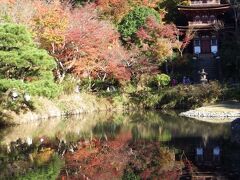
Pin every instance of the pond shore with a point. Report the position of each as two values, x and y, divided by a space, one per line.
218 113
63 106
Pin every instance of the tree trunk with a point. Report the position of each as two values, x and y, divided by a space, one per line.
236 27
166 67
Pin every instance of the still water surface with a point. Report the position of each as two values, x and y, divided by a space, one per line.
211 149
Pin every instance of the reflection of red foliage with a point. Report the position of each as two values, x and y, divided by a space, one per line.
100 159
103 159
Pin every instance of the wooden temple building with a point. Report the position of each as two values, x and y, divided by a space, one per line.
204 18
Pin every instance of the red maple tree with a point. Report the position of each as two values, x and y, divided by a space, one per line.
92 48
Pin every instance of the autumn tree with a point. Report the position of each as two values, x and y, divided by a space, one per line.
158 40
48 20
114 10
117 9
50 23
92 48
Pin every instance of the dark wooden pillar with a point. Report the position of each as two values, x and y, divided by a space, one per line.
196 75
219 67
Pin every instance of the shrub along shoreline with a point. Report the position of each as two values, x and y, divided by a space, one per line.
177 97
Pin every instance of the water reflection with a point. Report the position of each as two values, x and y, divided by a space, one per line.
67 129
207 148
144 125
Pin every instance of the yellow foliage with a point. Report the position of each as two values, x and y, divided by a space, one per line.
164 49
42 157
50 23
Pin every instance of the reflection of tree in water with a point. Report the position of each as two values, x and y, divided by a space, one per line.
231 160
178 126
149 133
108 129
67 128
154 125
148 126
150 160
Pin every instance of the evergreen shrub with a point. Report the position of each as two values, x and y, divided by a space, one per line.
135 19
23 66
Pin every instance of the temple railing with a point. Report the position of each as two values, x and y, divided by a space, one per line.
204 2
193 23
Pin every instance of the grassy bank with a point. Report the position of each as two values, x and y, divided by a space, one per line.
130 97
44 108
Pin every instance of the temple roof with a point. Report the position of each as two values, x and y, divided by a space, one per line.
204 7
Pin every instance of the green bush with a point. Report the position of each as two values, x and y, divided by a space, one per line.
19 58
135 19
23 66
129 88
146 99
231 93
162 80
179 97
46 88
192 96
185 2
14 36
98 85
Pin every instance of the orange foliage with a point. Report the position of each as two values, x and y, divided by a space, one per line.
148 3
7 1
50 23
117 9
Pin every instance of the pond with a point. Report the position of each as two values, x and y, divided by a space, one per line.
134 145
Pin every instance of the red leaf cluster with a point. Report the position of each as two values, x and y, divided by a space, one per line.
158 30
162 39
93 46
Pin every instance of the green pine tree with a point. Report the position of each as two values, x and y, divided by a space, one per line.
23 66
